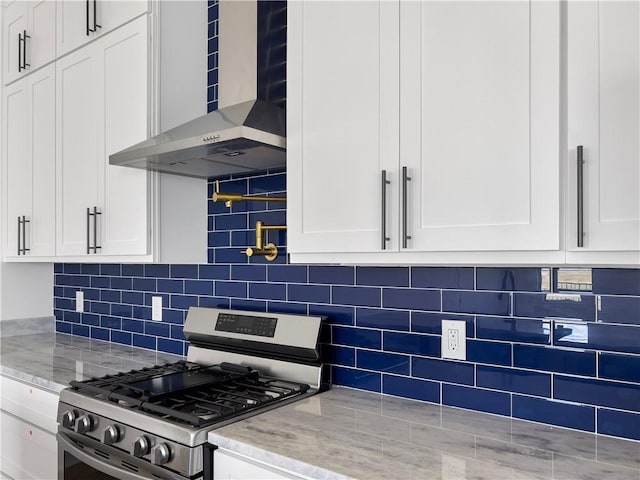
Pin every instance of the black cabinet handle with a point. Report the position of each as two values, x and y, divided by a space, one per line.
95 16
405 180
95 247
24 235
19 241
86 4
383 228
88 229
19 54
24 50
580 189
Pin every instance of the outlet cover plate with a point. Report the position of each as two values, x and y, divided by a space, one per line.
454 339
156 309
79 301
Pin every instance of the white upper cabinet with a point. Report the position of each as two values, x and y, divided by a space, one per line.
29 152
79 22
604 119
28 34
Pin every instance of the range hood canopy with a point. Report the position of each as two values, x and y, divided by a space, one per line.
244 135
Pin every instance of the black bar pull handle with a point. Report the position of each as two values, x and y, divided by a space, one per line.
580 189
19 52
88 29
24 50
19 230
24 235
383 228
405 180
96 247
88 230
95 16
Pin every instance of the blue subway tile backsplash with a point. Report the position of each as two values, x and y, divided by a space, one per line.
571 361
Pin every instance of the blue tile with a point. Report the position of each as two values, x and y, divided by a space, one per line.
619 367
509 279
442 370
255 273
268 291
100 307
63 327
218 239
229 255
110 296
598 336
287 307
358 296
243 238
231 289
171 346
184 271
211 255
511 380
275 217
177 332
101 282
81 280
521 330
620 310
417 344
356 337
144 341
214 272
383 276
144 284
80 330
58 268
73 317
64 303
233 221
134 298
356 379
62 279
252 305
411 299
132 325
72 268
142 313
214 302
616 281
309 293
121 337
569 415
91 294
112 269
99 333
335 315
537 306
494 353
198 287
476 399
334 275
598 392
619 424
431 322
267 184
184 301
121 310
170 286
344 356
487 303
157 329
121 283
110 322
287 273
156 270
173 316
133 269
442 277
90 269
382 318
90 319
383 362
555 360
411 388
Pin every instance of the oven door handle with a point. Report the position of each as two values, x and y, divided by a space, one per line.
94 462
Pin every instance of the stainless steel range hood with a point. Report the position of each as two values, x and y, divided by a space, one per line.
242 136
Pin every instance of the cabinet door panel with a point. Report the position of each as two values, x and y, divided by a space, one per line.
479 124
112 14
122 190
77 171
342 124
604 117
71 25
14 23
41 47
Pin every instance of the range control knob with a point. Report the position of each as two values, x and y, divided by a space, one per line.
141 446
69 419
160 454
111 435
84 424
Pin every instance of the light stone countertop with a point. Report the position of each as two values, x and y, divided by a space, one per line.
346 433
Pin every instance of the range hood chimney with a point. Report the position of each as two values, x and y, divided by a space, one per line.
244 135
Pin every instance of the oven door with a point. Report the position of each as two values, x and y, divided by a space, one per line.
82 458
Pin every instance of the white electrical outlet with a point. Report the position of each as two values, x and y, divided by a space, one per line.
454 339
79 301
156 309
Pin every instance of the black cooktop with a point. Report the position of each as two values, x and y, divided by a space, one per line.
190 393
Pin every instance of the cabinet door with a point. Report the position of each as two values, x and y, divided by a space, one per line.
17 164
111 14
76 148
604 117
342 124
41 47
122 122
14 23
480 124
227 466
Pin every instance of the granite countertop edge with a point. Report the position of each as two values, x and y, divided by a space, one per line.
31 379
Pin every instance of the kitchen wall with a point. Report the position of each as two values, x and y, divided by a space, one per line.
385 322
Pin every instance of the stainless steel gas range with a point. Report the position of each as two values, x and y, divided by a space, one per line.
153 423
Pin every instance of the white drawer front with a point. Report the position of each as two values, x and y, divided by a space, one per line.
32 404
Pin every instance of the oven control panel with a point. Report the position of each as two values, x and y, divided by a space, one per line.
246 324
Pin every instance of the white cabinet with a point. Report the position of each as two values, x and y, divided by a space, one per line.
102 108
604 118
228 465
28 36
464 95
28 124
79 22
